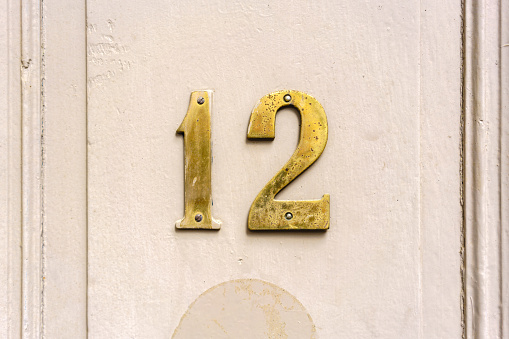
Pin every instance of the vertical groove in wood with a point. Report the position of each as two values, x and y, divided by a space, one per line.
504 167
10 170
31 168
485 168
85 55
463 299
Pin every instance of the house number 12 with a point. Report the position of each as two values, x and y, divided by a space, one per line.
265 213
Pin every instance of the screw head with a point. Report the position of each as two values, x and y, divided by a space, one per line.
288 216
287 98
200 100
198 217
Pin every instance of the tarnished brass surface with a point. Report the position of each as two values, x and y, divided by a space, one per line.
197 182
266 213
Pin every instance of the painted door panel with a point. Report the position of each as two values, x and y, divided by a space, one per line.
388 265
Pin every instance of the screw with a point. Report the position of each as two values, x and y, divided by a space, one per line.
287 97
288 216
198 217
200 100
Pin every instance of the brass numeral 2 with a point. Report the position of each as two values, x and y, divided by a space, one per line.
265 213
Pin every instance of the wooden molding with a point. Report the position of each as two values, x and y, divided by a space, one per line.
10 170
486 168
52 119
31 168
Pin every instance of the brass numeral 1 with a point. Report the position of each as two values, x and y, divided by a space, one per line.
197 159
266 213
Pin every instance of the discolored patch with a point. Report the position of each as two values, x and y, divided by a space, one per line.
246 308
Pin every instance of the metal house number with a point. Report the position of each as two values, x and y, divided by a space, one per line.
266 213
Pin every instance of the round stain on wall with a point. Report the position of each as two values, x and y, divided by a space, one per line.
245 308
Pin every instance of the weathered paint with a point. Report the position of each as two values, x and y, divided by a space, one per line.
246 308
